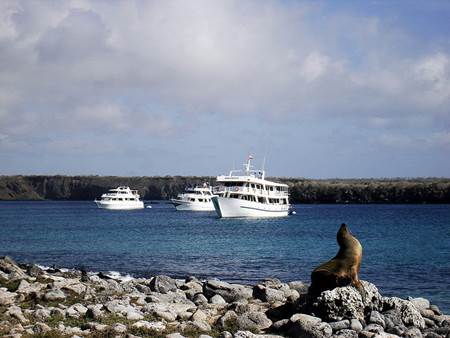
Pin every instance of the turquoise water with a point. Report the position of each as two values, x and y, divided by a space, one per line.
406 247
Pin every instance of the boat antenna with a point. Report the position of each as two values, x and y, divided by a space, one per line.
263 169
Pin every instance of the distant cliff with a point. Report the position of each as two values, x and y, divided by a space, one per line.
421 190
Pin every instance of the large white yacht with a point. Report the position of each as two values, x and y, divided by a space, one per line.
194 199
121 198
246 193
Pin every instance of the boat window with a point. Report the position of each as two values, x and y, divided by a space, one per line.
192 199
252 185
261 199
200 199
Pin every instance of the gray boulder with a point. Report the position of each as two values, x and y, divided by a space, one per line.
340 325
6 297
300 287
407 312
306 326
9 266
163 284
420 303
217 300
229 292
377 318
345 333
253 321
267 294
54 295
346 302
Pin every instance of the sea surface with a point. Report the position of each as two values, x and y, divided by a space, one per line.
406 247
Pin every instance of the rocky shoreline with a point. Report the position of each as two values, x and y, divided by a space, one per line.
41 302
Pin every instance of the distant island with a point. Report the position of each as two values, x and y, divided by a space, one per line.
360 191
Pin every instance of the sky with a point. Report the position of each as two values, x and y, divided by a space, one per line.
320 89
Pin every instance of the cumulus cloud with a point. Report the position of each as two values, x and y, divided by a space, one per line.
159 68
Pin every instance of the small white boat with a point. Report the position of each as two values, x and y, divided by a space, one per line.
194 199
248 194
121 198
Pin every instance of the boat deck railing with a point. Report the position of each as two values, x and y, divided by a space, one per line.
223 189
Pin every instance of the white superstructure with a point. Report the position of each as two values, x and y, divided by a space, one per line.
121 198
248 194
194 199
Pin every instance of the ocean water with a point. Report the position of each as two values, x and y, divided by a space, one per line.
406 247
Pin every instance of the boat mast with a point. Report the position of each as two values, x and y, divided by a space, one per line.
247 165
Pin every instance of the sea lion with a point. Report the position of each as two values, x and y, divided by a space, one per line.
343 269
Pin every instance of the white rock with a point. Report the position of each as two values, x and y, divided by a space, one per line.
157 326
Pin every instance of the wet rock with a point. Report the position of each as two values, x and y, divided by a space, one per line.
163 284
306 326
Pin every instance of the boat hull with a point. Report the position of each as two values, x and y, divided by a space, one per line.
181 205
232 207
124 205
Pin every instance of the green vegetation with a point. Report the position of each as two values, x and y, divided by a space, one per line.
12 286
399 190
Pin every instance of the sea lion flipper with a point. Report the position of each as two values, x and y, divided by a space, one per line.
343 269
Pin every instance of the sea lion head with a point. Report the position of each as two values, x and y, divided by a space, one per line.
342 233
